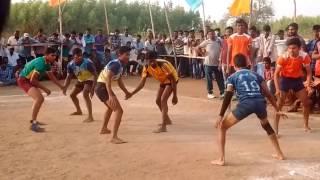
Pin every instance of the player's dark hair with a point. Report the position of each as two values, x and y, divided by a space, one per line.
240 61
267 28
294 25
50 50
230 28
77 51
151 55
267 60
316 27
123 49
241 21
253 28
294 41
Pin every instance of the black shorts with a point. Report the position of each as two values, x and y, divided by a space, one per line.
81 85
295 84
250 106
164 85
101 92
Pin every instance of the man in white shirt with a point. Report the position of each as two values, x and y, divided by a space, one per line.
267 45
13 40
126 38
12 57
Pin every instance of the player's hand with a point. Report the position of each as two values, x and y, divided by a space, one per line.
128 95
47 91
174 100
282 114
218 122
112 102
277 94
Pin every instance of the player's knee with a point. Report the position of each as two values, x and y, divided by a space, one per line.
85 94
40 99
267 127
164 102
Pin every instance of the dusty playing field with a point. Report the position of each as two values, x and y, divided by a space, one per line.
71 149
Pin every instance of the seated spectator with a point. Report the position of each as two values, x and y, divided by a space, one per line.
18 67
6 73
268 75
12 57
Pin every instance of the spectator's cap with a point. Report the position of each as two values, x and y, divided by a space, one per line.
26 35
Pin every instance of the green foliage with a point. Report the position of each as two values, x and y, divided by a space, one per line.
78 15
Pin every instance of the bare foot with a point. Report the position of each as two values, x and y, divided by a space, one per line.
160 130
77 113
278 157
105 131
218 162
88 120
117 141
307 129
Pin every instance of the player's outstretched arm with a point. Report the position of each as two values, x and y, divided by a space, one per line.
174 89
67 83
140 86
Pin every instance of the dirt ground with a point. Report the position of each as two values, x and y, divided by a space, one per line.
71 149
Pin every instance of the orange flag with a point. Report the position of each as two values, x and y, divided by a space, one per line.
54 3
240 7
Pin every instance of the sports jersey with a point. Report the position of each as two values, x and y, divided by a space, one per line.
247 84
84 71
37 65
115 67
161 71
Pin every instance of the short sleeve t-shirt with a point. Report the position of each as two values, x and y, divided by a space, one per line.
213 49
240 45
292 67
84 71
37 65
247 84
161 72
115 67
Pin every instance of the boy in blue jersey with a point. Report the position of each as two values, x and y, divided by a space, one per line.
251 90
112 72
85 72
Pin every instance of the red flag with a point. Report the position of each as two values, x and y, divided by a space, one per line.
54 3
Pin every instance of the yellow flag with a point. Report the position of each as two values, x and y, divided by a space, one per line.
240 7
54 3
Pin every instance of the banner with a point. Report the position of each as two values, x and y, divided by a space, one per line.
240 7
194 4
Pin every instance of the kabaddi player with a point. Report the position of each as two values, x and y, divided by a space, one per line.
85 72
289 76
251 90
112 72
164 72
28 81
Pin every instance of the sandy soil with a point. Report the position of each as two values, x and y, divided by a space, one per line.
71 149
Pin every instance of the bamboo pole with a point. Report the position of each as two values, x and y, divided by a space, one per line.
170 33
204 21
61 47
295 11
106 16
152 24
251 13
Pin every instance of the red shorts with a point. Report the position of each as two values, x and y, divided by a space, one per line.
24 84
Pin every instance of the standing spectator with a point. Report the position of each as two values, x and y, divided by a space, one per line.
269 75
115 40
100 42
25 51
56 41
138 47
67 45
126 38
76 42
132 60
161 45
211 63
238 43
41 38
179 50
88 42
13 41
292 32
186 43
253 31
267 45
6 73
312 45
224 51
2 46
316 57
12 57
150 43
280 35
196 70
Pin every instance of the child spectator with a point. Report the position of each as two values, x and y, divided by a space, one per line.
6 73
268 74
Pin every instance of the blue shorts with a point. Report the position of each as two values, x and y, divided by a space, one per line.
250 106
295 84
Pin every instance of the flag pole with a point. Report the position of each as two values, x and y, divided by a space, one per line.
106 16
204 21
251 13
170 33
61 47
295 11
152 24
